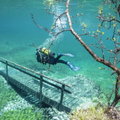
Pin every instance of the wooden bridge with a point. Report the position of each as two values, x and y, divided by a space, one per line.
45 89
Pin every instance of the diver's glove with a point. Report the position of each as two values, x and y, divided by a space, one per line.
72 67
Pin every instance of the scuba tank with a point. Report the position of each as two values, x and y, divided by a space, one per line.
43 55
45 51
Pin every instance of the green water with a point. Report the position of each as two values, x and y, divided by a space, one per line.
19 37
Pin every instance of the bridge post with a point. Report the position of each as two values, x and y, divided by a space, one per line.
7 70
41 85
62 94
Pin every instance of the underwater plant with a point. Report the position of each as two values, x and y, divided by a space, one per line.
24 114
7 94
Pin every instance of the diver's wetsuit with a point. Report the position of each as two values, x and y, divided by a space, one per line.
51 59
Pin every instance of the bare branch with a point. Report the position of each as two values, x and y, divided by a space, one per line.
39 26
65 30
108 19
58 17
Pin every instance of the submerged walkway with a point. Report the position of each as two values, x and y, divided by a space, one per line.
45 89
42 89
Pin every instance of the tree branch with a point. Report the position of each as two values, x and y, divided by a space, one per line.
105 62
65 30
39 26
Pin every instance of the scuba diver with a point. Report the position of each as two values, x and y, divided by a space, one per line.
45 56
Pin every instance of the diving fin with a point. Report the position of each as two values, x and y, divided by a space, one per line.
74 68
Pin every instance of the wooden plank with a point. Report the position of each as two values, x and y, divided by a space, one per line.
41 85
61 98
55 104
7 70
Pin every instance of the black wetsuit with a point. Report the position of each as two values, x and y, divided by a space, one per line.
50 59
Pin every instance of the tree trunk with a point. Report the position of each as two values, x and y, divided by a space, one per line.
117 95
115 101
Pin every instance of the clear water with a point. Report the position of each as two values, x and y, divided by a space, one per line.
19 38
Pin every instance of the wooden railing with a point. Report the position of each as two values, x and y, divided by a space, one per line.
42 78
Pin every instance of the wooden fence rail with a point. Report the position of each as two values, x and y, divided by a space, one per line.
42 78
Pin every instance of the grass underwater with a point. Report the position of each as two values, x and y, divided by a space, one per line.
24 114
